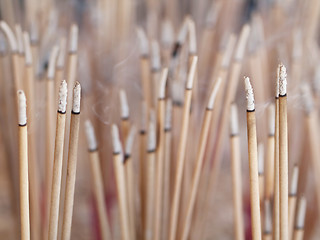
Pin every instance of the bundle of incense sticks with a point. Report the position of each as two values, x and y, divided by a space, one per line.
199 120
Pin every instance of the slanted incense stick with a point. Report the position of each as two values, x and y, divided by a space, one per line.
125 125
160 155
253 162
98 189
236 174
300 219
182 151
118 160
200 157
283 154
267 229
72 163
57 164
23 167
261 171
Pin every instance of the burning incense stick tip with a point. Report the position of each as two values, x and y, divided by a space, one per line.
116 139
294 181
143 42
234 124
249 94
91 137
167 33
192 72
124 104
61 55
63 91
19 38
214 94
168 117
28 54
129 142
156 59
268 217
192 36
76 98
22 106
260 158
241 47
282 80
151 137
9 34
163 81
301 213
73 45
52 62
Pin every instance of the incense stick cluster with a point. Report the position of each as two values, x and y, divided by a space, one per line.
163 127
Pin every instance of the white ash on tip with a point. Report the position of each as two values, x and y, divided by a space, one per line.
242 42
10 36
260 158
76 98
151 146
267 217
163 82
182 35
34 32
282 80
130 140
234 122
307 99
63 91
155 56
124 104
271 119
144 116
22 106
168 117
167 33
301 212
28 54
73 44
249 94
91 137
214 94
143 42
62 51
116 139
294 181
19 38
52 62
192 72
213 14
192 36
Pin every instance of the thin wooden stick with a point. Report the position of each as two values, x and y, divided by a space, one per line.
145 66
293 199
236 174
98 189
160 156
23 169
267 231
121 183
261 171
199 162
130 180
34 169
300 219
253 162
72 163
182 151
57 164
167 168
283 154
276 198
150 181
156 71
269 164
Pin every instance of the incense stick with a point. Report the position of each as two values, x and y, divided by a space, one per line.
261 171
57 164
97 181
182 151
267 231
300 219
23 169
72 163
236 174
253 162
293 199
283 153
125 125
